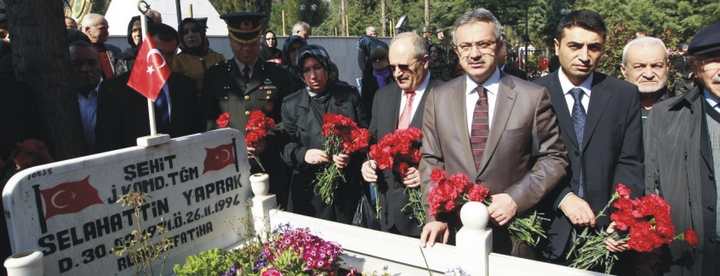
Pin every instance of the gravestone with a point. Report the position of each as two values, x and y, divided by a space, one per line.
198 191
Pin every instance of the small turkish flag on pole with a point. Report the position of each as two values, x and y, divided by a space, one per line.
149 73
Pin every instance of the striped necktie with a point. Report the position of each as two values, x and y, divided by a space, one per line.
480 128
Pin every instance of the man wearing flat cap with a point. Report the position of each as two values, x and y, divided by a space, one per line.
244 84
683 163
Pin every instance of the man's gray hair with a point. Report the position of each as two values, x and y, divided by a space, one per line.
478 15
417 42
644 41
90 20
369 28
300 26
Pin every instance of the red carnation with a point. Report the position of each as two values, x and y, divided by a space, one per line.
257 128
223 120
622 190
691 237
478 193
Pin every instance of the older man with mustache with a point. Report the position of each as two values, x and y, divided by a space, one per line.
645 64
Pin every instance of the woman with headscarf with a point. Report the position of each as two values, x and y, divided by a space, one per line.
195 56
126 59
289 54
270 52
302 114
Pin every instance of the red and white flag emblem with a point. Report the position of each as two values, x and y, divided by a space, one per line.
69 197
219 157
150 70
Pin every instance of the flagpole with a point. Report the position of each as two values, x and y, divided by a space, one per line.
144 7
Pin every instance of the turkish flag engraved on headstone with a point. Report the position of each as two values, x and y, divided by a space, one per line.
150 70
219 157
69 197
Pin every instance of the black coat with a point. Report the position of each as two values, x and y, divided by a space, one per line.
304 131
612 150
385 115
122 114
679 166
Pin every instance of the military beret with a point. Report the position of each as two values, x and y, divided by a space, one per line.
706 40
244 27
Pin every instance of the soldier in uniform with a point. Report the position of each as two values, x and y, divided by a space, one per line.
245 83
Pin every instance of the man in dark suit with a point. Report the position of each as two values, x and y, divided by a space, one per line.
399 105
122 114
604 144
495 128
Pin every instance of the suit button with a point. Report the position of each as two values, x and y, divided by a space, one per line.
269 92
226 98
711 209
267 97
247 113
247 98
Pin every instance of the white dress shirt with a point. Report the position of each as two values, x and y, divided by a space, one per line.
492 85
712 100
419 91
566 86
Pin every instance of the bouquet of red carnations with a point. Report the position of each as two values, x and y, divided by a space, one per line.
342 135
399 151
451 192
644 223
257 128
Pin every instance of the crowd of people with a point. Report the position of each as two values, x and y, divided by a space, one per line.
557 145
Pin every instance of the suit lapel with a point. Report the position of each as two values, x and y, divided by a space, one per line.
417 117
598 100
394 110
561 109
504 102
459 116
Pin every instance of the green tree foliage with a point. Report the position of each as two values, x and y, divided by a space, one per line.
673 21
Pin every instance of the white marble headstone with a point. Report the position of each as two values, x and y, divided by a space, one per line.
198 188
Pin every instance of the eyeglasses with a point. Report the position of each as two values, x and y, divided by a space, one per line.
402 67
483 46
270 38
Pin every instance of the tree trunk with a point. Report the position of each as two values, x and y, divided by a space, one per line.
40 58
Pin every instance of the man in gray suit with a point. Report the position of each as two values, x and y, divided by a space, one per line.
493 127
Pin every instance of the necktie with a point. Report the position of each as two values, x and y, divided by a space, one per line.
406 115
245 74
480 128
579 116
162 109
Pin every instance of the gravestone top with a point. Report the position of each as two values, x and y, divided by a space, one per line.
197 188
